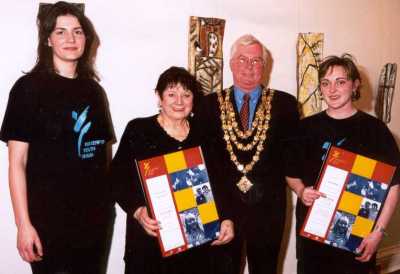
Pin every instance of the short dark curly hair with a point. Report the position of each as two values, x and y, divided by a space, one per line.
345 61
178 75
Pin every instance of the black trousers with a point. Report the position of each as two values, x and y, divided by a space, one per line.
317 265
71 261
199 260
262 254
77 260
316 258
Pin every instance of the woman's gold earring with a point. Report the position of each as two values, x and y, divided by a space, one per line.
320 94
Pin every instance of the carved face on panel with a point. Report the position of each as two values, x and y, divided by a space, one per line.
212 44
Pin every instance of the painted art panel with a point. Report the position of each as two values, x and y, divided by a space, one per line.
205 52
309 56
387 83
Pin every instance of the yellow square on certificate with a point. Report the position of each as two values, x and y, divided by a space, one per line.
350 203
175 161
208 212
184 199
363 166
362 227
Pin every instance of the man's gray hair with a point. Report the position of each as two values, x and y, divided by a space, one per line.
246 40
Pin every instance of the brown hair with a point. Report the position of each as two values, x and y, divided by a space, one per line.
46 21
346 61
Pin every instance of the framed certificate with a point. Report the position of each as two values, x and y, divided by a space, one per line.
180 198
355 187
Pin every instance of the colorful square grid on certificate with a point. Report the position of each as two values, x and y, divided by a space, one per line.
185 197
358 188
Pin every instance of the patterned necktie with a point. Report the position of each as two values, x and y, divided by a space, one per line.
244 112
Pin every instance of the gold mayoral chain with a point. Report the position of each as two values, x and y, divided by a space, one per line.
253 137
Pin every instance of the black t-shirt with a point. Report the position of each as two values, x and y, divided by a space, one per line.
361 133
67 125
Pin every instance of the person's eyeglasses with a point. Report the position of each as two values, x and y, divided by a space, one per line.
245 61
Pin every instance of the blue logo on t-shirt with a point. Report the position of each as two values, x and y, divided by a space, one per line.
328 144
85 149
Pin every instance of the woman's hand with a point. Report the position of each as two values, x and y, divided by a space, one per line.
308 195
226 233
369 245
28 244
28 241
149 225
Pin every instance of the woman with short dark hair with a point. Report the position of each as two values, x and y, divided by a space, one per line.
173 129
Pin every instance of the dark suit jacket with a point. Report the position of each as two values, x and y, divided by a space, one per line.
263 207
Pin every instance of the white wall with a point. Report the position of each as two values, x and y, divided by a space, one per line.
140 39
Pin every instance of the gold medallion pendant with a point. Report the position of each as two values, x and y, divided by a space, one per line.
244 184
250 141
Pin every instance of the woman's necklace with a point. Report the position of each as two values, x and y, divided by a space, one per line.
252 138
178 131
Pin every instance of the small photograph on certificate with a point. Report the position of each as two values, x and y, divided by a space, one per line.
374 210
193 227
375 191
180 180
357 185
189 177
340 230
203 193
369 209
197 175
366 187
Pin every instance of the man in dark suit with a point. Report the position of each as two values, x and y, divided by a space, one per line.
251 123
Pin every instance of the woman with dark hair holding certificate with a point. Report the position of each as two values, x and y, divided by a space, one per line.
172 130
343 126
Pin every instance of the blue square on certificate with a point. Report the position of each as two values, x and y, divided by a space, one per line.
211 230
353 242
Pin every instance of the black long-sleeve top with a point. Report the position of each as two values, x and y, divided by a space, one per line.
144 138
